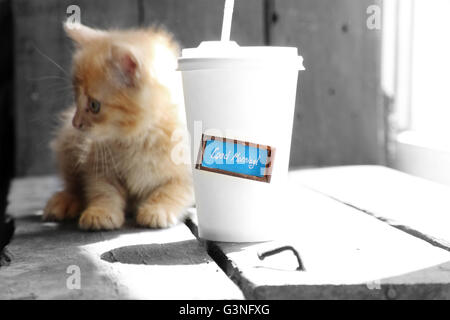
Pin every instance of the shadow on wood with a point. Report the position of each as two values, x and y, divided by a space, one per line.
172 253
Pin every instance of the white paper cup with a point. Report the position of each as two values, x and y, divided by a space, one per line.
245 94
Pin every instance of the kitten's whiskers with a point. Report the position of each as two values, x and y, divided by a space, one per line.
105 168
52 61
113 162
96 160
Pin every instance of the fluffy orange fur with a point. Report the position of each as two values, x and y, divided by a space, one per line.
119 158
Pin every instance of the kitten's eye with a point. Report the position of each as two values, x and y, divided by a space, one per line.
94 105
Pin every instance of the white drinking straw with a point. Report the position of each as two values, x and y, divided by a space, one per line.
227 16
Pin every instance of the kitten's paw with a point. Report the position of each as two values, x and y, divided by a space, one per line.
98 218
156 216
62 205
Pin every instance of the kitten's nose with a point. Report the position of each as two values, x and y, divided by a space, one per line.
77 122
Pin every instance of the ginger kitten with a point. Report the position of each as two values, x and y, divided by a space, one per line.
115 146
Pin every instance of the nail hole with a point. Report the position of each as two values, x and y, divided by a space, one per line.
274 17
344 28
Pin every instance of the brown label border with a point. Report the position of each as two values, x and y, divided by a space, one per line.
269 164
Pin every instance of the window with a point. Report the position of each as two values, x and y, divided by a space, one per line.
416 69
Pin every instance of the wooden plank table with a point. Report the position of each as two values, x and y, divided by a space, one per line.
417 206
340 220
132 263
348 253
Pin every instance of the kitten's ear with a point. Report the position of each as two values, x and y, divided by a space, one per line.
126 65
81 34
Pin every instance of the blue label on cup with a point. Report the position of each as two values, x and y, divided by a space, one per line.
236 158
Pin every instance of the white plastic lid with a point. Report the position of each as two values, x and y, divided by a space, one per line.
221 54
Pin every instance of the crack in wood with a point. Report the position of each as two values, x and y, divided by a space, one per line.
224 263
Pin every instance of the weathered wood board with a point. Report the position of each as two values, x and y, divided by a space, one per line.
132 263
339 116
415 205
347 255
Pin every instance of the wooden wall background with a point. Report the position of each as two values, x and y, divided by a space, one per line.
339 118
